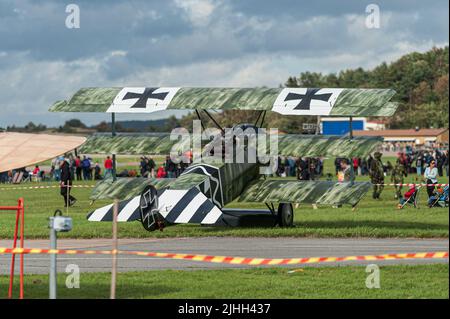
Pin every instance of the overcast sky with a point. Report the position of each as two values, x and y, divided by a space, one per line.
241 43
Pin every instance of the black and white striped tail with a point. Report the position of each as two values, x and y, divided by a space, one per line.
176 206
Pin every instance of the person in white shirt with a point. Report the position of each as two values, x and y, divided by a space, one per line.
430 175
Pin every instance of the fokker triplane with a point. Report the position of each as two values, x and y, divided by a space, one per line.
200 194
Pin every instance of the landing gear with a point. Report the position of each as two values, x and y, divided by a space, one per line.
150 217
285 215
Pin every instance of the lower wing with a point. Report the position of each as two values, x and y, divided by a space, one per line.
312 192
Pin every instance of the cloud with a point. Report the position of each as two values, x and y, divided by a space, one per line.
197 11
194 43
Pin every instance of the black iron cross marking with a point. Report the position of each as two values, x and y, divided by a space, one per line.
143 97
305 103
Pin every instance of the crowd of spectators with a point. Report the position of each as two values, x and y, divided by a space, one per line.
303 168
415 162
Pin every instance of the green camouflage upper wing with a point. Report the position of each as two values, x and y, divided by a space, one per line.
126 188
313 192
328 146
87 100
132 144
288 101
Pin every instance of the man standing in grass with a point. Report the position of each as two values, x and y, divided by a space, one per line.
66 182
398 173
419 164
108 167
376 174
78 168
151 167
347 171
346 174
86 166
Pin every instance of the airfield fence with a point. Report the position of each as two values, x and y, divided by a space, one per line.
20 219
93 186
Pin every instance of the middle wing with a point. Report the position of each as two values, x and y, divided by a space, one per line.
130 144
327 146
313 192
288 145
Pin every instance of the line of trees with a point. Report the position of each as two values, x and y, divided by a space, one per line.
420 80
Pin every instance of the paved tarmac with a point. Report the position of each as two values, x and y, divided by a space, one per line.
228 246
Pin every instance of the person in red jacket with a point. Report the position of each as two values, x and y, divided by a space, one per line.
36 170
78 168
355 161
108 164
161 172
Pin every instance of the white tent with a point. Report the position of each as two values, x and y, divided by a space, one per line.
21 149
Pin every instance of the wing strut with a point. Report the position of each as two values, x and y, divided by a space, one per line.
350 123
215 122
263 113
113 133
200 119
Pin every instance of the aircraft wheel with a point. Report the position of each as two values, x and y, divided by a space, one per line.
150 217
285 215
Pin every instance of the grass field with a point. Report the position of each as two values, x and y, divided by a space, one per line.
371 218
400 281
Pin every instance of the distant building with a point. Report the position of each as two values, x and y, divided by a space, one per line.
375 125
418 137
341 125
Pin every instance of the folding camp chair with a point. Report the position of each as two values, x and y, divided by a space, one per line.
439 199
412 200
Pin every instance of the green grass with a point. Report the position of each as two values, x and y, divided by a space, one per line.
342 282
370 219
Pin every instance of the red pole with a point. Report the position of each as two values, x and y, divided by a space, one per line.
13 256
22 223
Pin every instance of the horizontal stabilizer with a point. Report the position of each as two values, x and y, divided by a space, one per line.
128 211
175 205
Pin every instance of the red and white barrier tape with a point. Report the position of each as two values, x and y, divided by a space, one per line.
228 259
92 186
410 184
45 187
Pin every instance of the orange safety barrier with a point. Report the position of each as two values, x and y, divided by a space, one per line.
254 261
20 212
